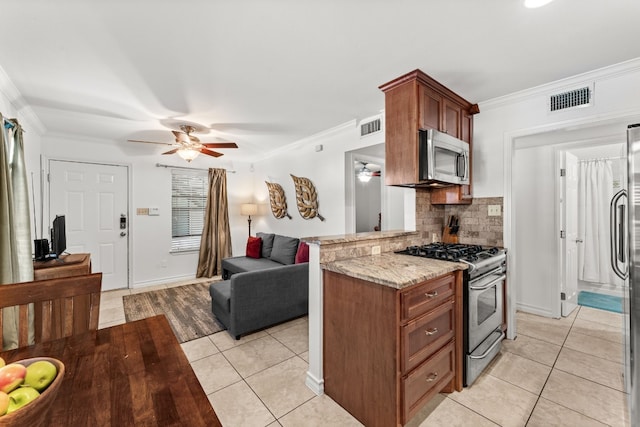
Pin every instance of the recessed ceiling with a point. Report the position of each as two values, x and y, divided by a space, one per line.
265 74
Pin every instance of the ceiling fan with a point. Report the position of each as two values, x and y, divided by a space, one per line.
188 146
365 170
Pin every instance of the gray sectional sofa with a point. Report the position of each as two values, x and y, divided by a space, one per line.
260 292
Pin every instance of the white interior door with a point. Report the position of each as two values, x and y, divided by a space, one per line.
94 198
569 212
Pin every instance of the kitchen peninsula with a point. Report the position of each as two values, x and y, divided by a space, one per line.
392 326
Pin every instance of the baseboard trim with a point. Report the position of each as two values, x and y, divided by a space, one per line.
533 310
316 385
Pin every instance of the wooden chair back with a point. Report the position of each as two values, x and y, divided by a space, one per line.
62 307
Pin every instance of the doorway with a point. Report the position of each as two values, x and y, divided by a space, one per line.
534 264
371 205
602 175
94 198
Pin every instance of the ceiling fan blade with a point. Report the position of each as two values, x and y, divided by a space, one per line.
171 151
210 152
180 136
150 142
220 144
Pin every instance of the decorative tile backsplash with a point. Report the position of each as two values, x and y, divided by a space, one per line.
476 226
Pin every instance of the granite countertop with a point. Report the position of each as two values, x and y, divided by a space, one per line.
393 270
357 237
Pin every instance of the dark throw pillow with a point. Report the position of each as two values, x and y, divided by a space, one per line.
284 249
267 243
254 246
303 253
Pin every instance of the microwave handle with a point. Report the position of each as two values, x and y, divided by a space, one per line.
465 165
431 154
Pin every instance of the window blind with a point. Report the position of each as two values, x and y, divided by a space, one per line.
188 203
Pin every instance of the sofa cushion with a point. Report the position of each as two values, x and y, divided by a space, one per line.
267 243
221 293
284 249
303 253
254 246
240 264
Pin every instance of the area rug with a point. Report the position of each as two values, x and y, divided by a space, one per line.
188 309
601 301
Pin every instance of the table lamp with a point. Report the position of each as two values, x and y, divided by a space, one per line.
249 209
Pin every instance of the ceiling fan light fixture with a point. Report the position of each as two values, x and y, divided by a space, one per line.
188 153
364 175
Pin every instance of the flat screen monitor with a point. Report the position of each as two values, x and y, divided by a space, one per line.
58 236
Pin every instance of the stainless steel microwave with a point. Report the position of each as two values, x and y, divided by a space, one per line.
444 159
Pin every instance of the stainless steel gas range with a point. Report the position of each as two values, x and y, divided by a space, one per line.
483 308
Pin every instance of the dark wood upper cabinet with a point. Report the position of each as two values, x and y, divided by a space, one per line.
416 101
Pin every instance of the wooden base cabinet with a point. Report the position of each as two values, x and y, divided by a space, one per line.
387 352
67 266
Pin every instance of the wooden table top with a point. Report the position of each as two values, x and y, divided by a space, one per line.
134 374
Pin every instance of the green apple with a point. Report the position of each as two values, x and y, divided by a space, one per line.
4 402
40 374
11 376
20 397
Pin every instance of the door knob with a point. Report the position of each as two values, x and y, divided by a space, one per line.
122 234
579 240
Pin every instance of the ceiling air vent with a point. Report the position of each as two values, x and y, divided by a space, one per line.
370 127
573 98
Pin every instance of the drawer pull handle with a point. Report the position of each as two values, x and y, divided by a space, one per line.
432 377
431 294
431 331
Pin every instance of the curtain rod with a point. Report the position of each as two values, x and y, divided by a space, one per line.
602 158
160 165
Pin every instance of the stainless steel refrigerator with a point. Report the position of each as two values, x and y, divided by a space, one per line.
626 264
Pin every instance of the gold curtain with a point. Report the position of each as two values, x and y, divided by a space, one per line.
16 264
215 243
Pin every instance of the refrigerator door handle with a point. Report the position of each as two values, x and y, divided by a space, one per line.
616 222
621 237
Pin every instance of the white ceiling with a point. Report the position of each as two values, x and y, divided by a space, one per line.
267 73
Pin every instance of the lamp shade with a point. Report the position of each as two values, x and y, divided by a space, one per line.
248 209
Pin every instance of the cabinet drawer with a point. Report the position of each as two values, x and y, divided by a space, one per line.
424 297
422 337
427 380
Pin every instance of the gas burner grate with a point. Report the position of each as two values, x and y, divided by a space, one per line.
446 251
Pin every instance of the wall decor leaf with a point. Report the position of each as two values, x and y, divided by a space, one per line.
278 200
306 198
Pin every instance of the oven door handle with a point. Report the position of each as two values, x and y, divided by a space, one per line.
483 355
488 285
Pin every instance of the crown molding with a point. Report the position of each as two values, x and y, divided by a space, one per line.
608 72
317 137
25 113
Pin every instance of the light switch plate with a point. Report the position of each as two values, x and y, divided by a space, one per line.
154 211
375 250
494 210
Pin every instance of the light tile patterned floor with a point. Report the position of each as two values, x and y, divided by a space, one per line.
558 372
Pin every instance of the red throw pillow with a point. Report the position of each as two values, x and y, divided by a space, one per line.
303 253
254 247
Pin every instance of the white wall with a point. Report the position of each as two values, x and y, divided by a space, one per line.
615 95
506 124
325 169
150 186
534 204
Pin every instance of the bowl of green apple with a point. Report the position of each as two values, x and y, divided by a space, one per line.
27 390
